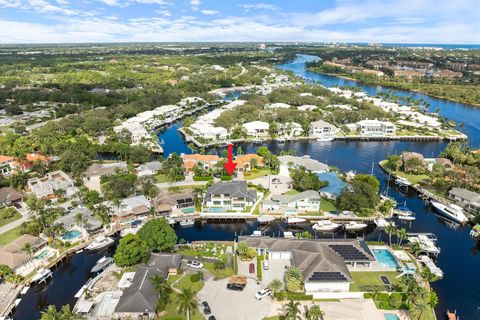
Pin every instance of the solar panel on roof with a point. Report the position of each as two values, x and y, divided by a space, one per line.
327 276
348 252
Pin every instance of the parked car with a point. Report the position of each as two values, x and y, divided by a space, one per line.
262 294
276 181
17 205
265 265
206 308
194 264
235 286
212 318
70 208
251 268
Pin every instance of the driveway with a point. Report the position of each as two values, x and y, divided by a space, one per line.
243 268
24 211
234 305
278 188
276 270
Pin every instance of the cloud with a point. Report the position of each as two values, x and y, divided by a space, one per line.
195 2
209 12
259 6
164 13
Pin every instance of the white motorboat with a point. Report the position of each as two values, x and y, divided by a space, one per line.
102 263
295 220
42 275
188 222
124 232
403 182
354 226
100 242
403 211
383 223
265 219
407 218
325 225
325 139
288 235
281 140
257 233
451 211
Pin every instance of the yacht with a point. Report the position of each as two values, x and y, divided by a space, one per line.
42 275
102 263
451 211
407 218
325 139
402 211
383 223
325 225
288 235
354 226
295 220
100 242
188 222
281 140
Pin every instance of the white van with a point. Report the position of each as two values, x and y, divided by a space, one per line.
265 264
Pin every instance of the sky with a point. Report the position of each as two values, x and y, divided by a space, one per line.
379 21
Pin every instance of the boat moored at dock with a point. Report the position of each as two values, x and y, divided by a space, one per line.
42 275
354 226
325 225
451 211
99 243
102 263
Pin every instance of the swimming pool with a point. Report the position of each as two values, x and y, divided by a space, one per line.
390 316
42 255
385 258
72 234
188 210
216 209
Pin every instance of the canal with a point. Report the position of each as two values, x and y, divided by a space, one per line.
458 290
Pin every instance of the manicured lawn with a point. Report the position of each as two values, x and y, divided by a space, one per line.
218 274
185 282
7 212
172 313
327 205
256 174
171 279
10 235
291 192
365 281
160 177
413 178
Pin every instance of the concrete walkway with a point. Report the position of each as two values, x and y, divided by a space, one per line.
25 216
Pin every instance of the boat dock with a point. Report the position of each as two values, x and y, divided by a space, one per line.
426 242
431 266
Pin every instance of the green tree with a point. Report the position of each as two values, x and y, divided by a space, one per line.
130 251
66 313
51 313
314 313
186 302
361 195
390 229
367 178
163 289
276 285
394 162
293 279
303 180
401 235
292 309
158 235
118 186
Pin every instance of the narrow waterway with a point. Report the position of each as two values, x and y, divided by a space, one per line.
459 259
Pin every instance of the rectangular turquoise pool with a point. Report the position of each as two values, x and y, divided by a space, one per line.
385 258
390 316
188 210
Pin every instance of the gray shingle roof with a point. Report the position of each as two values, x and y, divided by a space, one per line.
313 255
9 194
465 194
236 189
305 161
285 199
101 169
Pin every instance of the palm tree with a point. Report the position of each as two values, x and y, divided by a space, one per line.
314 313
420 306
27 248
80 219
276 285
390 230
401 235
51 313
415 248
163 289
186 302
68 314
293 279
293 310
428 276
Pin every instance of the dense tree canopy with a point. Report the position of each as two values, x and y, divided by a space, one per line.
130 251
158 235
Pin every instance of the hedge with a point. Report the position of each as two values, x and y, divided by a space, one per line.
201 178
226 178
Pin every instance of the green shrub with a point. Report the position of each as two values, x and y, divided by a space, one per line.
395 300
280 296
368 295
219 265
196 276
384 305
299 296
201 178
382 296
226 178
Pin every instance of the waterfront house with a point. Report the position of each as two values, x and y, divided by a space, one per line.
324 264
140 299
6 163
9 196
373 127
245 162
96 170
232 195
206 161
130 209
13 254
149 168
256 128
92 225
307 201
322 128
168 203
291 162
289 129
469 200
47 186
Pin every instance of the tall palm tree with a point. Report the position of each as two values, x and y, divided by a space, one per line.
390 230
186 302
415 248
163 289
66 313
80 219
420 306
314 313
401 235
51 313
293 310
276 285
27 248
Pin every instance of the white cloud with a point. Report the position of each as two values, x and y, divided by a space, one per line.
195 2
164 13
259 6
209 12
10 3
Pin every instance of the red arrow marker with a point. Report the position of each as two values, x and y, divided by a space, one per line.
230 165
